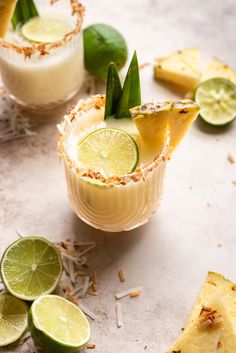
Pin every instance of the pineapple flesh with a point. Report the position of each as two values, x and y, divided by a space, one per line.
156 120
218 68
211 327
7 8
181 68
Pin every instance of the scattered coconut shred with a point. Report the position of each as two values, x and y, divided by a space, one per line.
13 123
119 318
132 292
79 279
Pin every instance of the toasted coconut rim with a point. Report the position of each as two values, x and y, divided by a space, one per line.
78 11
98 102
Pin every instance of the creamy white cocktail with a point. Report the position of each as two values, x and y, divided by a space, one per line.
50 71
111 203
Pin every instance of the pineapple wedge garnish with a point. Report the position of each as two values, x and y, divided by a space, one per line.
211 327
218 68
7 8
181 67
155 120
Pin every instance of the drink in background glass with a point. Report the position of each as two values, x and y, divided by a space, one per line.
45 75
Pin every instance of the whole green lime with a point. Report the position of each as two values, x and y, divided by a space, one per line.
103 44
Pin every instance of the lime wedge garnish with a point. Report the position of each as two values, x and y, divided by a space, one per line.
31 266
109 151
58 325
45 30
217 100
13 319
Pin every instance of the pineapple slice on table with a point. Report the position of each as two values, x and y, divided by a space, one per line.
216 284
218 68
204 335
181 67
211 327
7 8
155 120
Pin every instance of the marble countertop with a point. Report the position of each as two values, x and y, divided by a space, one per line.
192 232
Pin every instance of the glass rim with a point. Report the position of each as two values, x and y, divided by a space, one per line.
97 102
43 49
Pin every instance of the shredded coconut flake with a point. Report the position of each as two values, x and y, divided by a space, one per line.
71 271
13 123
230 158
122 275
77 290
119 318
20 234
127 292
135 294
91 346
87 311
87 250
86 285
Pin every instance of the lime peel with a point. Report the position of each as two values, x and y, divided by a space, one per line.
74 330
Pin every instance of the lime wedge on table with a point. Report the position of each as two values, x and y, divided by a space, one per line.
58 325
217 100
109 151
31 266
45 30
13 319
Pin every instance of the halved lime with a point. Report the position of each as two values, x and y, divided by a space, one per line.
45 30
13 319
31 266
217 100
109 151
58 325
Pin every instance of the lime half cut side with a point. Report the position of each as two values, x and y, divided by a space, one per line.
13 319
58 325
217 100
30 267
109 151
45 30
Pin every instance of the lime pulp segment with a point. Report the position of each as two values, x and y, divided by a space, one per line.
31 266
13 319
217 100
45 30
109 151
56 323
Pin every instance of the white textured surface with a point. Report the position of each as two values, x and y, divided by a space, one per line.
170 255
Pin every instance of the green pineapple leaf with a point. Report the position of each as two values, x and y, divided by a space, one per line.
113 91
24 11
131 94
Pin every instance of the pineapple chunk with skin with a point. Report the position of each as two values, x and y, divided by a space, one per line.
219 294
216 285
156 120
228 335
197 338
7 8
218 68
182 68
